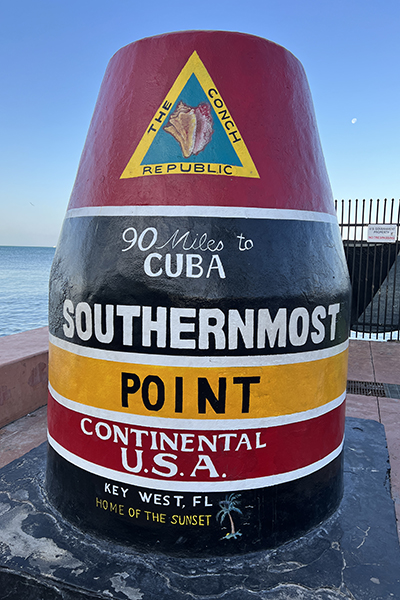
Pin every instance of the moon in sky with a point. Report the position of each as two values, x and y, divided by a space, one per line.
354 121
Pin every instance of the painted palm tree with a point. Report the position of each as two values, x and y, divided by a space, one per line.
228 506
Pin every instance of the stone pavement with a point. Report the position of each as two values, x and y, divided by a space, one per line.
369 362
379 362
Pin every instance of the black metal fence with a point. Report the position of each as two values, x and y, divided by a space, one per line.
370 234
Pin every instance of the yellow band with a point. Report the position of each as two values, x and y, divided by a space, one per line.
197 393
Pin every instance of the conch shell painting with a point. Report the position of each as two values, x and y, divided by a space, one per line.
191 127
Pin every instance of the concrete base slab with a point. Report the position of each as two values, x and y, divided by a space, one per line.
354 555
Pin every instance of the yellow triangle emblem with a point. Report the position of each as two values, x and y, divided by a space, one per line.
192 132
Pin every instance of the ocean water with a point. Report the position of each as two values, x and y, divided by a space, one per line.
24 287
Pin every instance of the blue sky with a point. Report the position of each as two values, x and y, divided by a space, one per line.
53 55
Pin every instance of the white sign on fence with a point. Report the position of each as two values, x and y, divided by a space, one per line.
386 234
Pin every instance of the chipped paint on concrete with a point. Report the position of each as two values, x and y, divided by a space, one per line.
119 584
41 552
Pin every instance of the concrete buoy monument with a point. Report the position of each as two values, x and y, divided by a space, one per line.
199 306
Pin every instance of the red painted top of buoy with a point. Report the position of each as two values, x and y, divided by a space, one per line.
266 95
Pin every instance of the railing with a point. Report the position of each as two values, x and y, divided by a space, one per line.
373 266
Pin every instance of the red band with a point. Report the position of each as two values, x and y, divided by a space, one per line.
266 95
185 455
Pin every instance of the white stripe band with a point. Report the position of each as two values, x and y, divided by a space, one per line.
168 360
198 424
229 212
189 486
